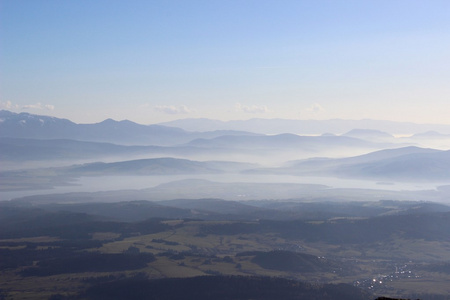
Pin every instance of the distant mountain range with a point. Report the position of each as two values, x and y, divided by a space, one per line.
282 141
243 148
26 137
304 127
25 125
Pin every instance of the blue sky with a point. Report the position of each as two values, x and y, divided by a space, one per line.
155 61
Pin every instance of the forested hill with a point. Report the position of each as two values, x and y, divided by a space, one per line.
222 288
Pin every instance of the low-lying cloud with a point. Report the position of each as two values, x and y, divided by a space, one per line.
315 108
8 105
252 109
38 106
172 109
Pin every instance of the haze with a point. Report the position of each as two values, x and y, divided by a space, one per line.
208 149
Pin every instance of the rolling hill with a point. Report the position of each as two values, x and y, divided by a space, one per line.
408 163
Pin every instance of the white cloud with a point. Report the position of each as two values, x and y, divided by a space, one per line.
252 109
8 105
32 106
315 108
313 111
172 109
38 106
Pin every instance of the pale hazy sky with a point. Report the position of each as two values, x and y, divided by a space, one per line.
153 61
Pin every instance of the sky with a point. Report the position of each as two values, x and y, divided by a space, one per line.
156 61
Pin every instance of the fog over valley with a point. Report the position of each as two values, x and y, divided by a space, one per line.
65 156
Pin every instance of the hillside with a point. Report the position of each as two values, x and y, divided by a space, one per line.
222 288
402 164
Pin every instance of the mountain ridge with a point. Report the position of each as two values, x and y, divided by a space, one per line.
256 125
407 163
125 132
334 126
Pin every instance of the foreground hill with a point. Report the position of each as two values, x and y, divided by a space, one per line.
291 261
111 250
207 209
223 287
428 226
